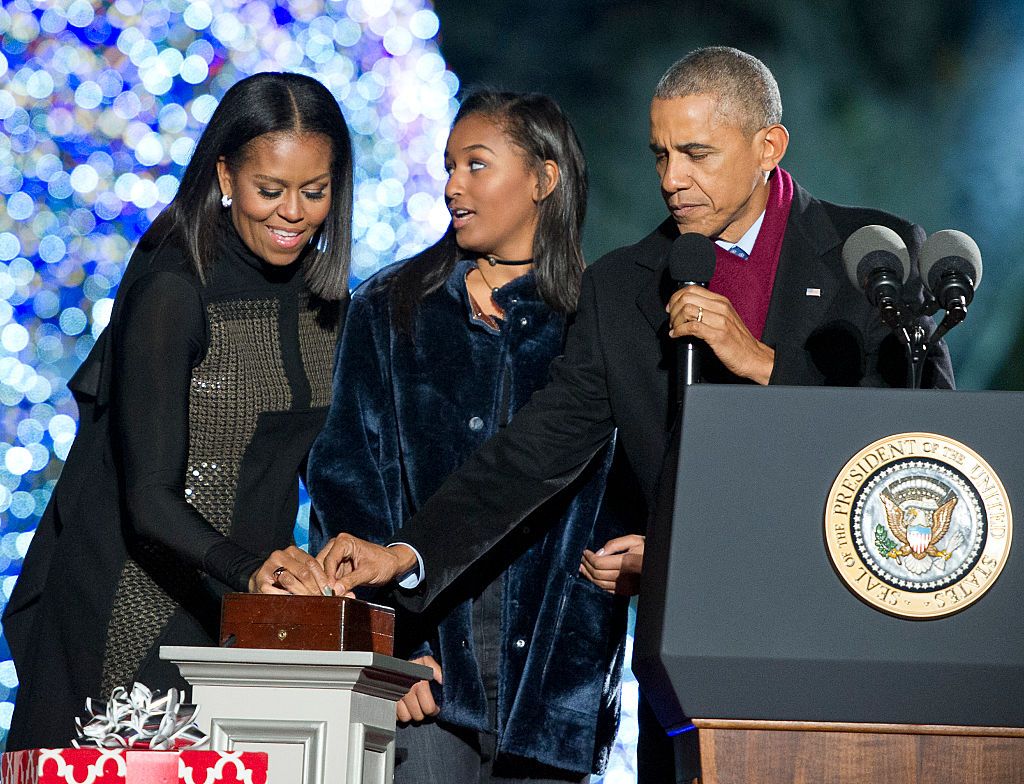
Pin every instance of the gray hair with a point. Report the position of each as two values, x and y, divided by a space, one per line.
746 90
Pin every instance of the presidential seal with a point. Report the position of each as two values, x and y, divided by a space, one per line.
918 525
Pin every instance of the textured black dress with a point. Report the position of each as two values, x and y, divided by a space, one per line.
197 408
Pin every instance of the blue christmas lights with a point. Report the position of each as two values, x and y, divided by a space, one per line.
100 105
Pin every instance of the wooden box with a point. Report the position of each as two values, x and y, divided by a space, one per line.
311 623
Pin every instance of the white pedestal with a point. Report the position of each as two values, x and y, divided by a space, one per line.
323 717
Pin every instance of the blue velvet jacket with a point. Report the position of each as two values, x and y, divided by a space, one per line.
404 415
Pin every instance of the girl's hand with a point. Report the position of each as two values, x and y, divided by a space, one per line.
616 567
418 704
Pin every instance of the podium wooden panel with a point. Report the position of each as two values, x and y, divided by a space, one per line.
769 752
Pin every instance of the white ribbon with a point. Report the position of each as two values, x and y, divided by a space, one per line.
139 719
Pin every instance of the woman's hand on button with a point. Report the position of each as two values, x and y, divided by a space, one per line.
290 571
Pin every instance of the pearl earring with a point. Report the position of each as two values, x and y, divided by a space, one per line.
225 200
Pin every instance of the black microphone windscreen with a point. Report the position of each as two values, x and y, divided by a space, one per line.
950 251
873 247
692 259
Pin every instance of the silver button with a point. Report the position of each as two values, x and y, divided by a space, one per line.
465 643
476 424
524 321
520 643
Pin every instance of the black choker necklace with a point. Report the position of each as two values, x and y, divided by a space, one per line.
494 262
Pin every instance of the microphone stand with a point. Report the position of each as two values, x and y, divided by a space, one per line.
953 317
903 321
915 339
916 342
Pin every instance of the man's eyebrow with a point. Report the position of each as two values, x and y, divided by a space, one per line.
689 148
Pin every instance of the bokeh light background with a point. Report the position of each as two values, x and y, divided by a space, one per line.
100 104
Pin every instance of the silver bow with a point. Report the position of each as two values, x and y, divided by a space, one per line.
139 719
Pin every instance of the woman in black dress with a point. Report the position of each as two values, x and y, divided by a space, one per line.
197 407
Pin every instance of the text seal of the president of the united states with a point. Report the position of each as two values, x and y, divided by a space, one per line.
918 525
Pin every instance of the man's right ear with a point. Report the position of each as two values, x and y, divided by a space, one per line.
774 145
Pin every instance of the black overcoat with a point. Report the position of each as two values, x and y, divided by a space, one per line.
616 373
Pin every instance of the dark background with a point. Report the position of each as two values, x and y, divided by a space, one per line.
912 107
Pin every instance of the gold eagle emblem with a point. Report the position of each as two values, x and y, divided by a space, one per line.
918 530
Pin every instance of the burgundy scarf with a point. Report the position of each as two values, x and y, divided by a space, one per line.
748 283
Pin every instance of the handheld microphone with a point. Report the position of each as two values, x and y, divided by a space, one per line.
951 269
691 262
878 263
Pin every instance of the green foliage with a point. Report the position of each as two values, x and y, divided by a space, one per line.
884 544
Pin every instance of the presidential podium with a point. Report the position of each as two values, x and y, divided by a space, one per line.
831 589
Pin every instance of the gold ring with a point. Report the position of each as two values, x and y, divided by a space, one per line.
700 314
278 572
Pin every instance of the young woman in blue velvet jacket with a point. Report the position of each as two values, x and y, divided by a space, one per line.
438 353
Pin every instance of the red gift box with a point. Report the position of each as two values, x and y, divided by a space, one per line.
130 766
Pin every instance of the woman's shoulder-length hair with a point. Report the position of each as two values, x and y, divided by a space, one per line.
266 103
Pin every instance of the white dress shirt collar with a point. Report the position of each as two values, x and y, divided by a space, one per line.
746 242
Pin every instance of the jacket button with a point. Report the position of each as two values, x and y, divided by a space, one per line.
476 424
465 643
520 643
524 321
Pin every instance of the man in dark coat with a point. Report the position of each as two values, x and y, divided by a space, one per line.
785 314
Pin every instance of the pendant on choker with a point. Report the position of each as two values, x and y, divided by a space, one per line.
494 289
505 262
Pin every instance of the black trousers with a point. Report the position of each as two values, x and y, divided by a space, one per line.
431 751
